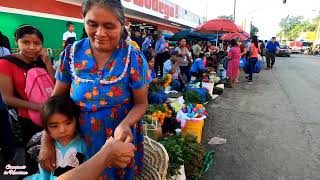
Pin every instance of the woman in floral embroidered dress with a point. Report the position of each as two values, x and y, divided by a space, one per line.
108 79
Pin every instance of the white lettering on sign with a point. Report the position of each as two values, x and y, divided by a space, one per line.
163 9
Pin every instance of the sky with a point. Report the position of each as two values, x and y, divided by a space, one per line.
264 14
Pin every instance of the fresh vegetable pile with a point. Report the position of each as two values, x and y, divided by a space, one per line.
184 151
192 97
161 83
158 112
174 95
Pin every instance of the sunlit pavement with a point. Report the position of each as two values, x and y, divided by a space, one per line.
272 126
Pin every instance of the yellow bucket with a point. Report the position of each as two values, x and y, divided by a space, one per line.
193 127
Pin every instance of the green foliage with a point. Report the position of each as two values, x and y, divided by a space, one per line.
193 157
253 30
155 108
293 26
187 152
173 145
192 97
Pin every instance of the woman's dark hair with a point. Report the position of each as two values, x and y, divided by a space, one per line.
201 55
62 105
27 29
4 41
182 39
124 33
114 5
233 43
254 40
148 55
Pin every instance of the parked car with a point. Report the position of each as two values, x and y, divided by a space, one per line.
284 51
295 47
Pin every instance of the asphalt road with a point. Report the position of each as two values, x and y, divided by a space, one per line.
271 126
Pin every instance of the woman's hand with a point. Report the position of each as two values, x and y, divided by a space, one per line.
121 153
123 132
47 155
44 56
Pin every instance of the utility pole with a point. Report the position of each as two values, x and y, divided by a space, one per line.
234 10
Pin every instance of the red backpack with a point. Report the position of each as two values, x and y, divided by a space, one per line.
39 86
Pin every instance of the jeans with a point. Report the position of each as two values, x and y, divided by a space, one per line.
185 70
271 56
252 64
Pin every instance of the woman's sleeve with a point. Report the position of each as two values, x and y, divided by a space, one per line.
139 76
63 72
5 68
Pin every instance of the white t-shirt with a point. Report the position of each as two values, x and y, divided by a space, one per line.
4 51
68 34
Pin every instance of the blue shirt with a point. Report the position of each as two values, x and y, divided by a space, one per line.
146 44
197 66
160 45
168 65
153 74
272 47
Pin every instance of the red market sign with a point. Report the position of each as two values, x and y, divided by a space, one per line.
158 6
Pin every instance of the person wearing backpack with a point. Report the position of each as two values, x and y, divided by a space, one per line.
14 70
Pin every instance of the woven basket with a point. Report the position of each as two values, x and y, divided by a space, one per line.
156 161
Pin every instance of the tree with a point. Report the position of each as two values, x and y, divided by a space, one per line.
253 30
226 17
293 26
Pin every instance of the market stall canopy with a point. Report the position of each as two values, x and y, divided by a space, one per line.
217 26
229 36
189 34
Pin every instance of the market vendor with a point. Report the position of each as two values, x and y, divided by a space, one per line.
171 66
150 59
198 67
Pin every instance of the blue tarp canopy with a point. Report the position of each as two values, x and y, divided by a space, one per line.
194 36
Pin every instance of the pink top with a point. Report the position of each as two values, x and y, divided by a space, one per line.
255 51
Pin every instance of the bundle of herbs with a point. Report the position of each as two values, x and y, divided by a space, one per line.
193 157
174 146
192 97
185 152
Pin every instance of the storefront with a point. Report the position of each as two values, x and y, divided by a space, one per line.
50 16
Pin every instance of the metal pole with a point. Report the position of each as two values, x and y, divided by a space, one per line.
234 10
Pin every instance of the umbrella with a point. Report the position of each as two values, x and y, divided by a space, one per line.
217 26
229 36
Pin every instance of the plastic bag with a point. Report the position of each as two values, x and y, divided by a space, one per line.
242 62
258 67
159 97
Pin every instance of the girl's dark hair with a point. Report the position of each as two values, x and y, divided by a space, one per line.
254 40
27 29
62 105
4 41
233 42
114 5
